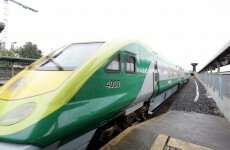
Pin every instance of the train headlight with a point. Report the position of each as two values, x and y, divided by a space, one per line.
17 114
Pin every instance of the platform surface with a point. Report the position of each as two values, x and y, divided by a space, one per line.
187 130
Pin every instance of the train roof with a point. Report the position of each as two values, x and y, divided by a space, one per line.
115 45
153 51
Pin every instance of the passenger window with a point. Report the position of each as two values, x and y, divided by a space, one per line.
130 64
114 66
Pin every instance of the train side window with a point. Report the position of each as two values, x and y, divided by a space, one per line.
130 64
114 66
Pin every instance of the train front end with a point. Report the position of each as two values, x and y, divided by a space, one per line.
37 109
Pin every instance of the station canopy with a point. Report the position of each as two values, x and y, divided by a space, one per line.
17 59
222 57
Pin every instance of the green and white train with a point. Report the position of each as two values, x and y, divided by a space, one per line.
84 91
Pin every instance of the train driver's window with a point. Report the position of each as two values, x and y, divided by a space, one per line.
114 66
130 64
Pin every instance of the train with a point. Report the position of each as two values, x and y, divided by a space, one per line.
82 92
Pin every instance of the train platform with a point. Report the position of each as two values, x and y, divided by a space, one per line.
175 130
185 122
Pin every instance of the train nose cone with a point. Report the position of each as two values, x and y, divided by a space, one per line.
31 83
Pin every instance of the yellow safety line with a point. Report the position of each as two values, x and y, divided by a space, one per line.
185 145
160 142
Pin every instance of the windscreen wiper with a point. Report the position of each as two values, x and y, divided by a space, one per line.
50 59
57 64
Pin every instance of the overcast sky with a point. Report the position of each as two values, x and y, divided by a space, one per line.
184 31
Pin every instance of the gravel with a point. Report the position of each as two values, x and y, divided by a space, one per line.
183 100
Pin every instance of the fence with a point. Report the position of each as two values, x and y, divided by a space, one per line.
219 82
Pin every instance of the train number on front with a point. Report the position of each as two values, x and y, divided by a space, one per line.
113 84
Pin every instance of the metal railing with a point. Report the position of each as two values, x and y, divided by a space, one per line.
219 82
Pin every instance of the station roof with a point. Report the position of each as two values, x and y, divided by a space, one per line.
17 59
222 56
2 26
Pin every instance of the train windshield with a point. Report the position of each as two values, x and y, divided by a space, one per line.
68 57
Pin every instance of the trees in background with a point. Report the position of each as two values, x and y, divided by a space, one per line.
29 50
8 53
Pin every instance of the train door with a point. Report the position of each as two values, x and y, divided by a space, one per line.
130 70
155 78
